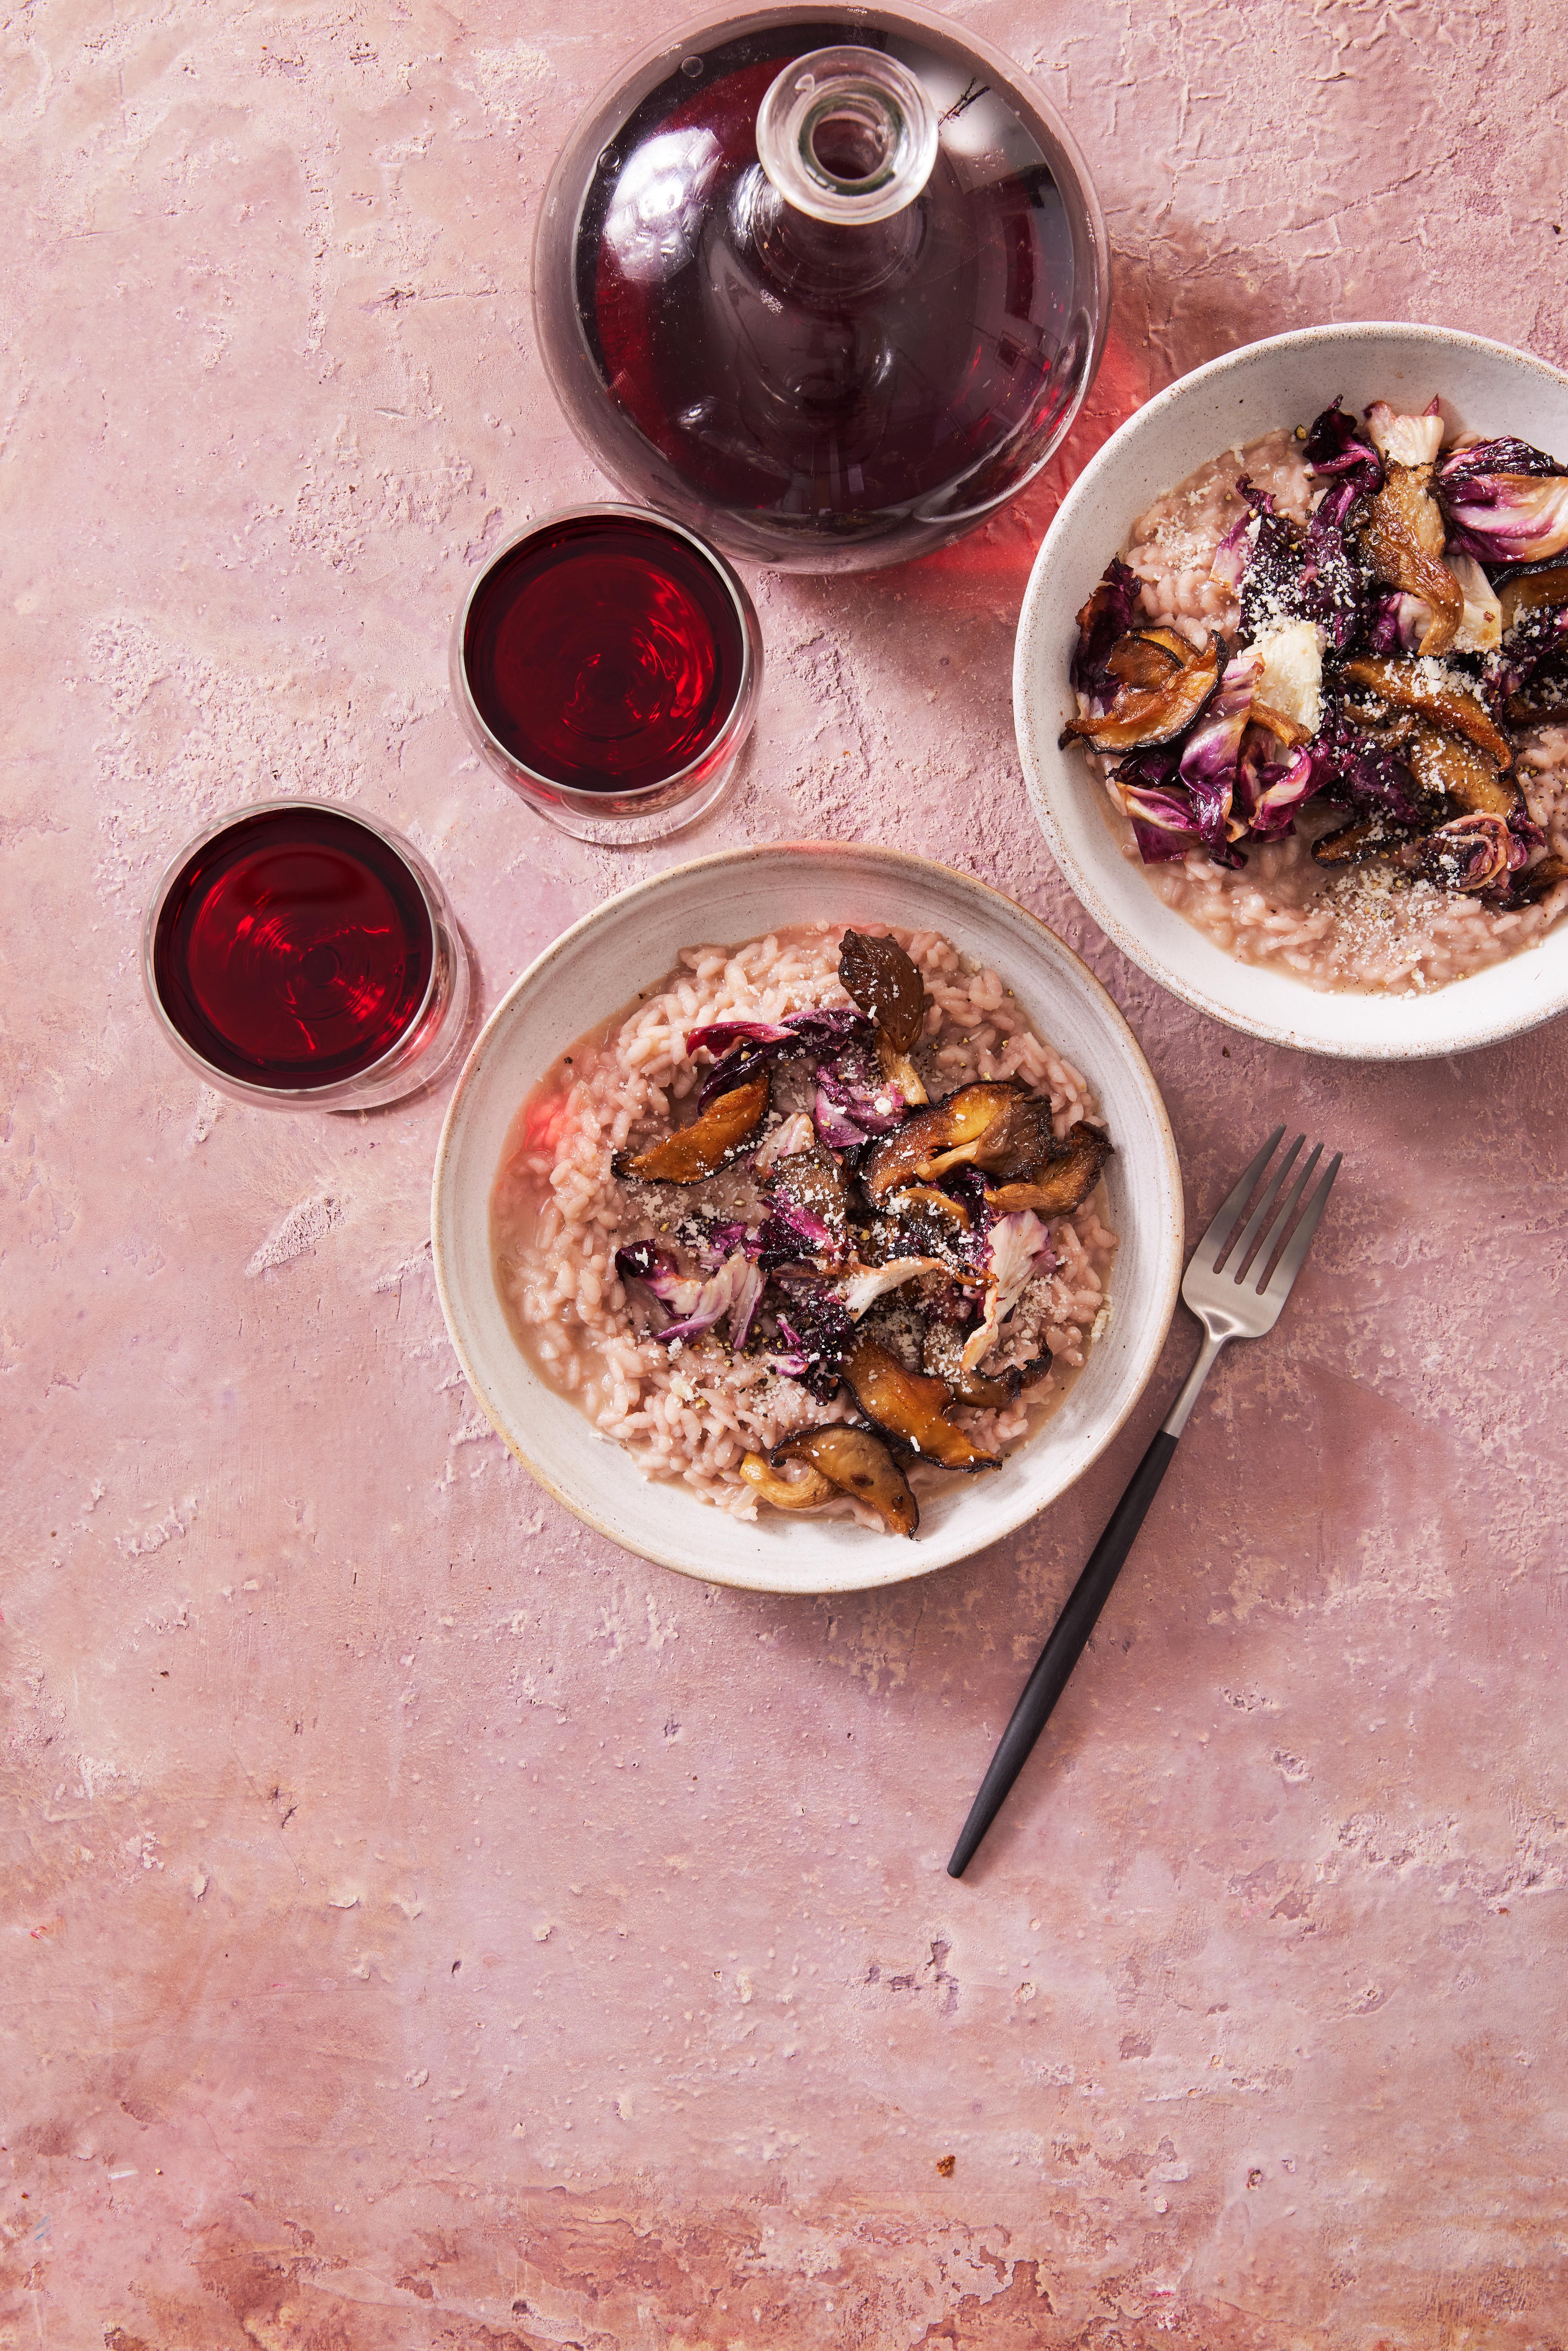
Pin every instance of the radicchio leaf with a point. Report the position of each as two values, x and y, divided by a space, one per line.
733 1289
1504 502
1335 444
1268 792
854 1099
1474 853
1157 804
1208 762
1020 1247
1364 774
816 1332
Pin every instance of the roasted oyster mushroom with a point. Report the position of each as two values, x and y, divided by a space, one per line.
887 987
998 1128
1533 881
885 984
855 1461
807 1490
925 1200
1143 715
943 1357
1403 544
1065 1181
1445 765
701 1149
1399 685
813 1182
910 1406
1353 844
1538 589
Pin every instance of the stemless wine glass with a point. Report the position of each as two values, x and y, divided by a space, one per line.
606 664
300 954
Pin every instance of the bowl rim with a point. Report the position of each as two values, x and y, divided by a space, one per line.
1145 1352
1081 878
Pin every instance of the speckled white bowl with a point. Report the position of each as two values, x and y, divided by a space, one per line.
597 967
1483 386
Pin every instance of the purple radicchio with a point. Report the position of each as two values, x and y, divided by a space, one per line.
744 1047
1504 502
854 1099
1106 618
1230 557
1020 1247
735 1290
1536 655
1309 575
1158 806
1208 762
1336 446
1270 791
812 1338
1474 853
793 1234
1364 774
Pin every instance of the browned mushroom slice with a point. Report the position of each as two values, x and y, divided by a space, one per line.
814 1181
1532 592
925 1200
694 1152
1534 881
943 1357
1143 716
885 984
997 1127
1070 1174
805 1491
1443 764
1399 683
910 1406
1405 545
1147 657
1353 844
856 1462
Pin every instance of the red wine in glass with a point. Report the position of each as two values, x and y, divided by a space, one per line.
294 950
604 652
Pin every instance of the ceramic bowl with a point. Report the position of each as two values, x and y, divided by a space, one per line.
593 971
1483 386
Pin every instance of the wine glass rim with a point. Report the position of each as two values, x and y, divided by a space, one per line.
667 788
345 1089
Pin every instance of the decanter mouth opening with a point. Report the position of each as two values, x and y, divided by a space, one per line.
847 134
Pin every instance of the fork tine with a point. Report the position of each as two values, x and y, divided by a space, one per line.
1281 1223
1224 1218
1255 1221
1301 1240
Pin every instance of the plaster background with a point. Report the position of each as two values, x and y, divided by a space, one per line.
425 1925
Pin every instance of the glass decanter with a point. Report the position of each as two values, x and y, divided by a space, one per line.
827 286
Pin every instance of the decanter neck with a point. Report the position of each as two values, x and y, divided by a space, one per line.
847 136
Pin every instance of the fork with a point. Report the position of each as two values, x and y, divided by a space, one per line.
1229 1308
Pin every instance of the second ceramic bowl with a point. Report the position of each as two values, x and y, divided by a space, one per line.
593 971
1484 386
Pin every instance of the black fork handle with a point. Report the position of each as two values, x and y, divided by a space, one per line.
1065 1646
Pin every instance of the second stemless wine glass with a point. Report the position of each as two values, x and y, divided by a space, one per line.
826 282
300 955
606 664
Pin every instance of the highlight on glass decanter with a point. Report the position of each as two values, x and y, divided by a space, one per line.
826 288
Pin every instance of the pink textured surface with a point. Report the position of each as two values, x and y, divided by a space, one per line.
426 1925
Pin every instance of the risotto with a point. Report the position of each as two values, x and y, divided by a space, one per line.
815 1224
1325 686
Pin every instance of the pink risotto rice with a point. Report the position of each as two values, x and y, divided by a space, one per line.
559 1213
1360 929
